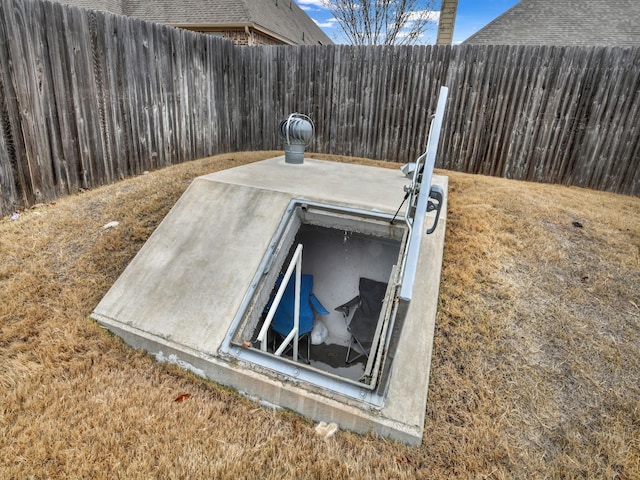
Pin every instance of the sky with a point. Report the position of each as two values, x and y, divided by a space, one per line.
472 15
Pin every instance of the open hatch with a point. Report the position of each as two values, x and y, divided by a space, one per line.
336 247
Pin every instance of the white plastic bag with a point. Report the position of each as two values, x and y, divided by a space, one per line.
319 333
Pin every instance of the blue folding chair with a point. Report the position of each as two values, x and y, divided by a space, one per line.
282 322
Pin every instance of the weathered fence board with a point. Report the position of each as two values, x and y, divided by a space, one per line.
87 98
14 179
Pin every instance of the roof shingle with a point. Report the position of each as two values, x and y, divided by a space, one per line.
284 18
564 22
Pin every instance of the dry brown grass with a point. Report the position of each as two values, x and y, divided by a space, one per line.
535 369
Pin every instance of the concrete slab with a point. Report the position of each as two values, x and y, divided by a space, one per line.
179 296
371 188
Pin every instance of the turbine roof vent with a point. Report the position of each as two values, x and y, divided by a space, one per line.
296 130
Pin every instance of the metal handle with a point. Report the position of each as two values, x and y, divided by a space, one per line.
436 193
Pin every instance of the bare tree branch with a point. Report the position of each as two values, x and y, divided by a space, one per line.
384 22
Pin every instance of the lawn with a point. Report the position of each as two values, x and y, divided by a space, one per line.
535 373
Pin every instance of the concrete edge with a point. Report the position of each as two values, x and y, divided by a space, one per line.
283 394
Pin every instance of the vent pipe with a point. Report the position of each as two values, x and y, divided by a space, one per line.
296 130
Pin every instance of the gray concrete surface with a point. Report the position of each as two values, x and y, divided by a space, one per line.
179 295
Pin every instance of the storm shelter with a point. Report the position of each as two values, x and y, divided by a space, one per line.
197 290
208 288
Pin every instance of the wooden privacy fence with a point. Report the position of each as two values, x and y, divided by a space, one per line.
567 115
87 98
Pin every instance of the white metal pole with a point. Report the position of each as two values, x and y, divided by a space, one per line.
296 308
296 261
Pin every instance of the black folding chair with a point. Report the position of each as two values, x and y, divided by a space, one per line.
366 309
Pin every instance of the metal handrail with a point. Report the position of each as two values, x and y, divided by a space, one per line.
296 263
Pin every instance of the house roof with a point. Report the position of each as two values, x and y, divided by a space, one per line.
282 19
564 22
113 6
